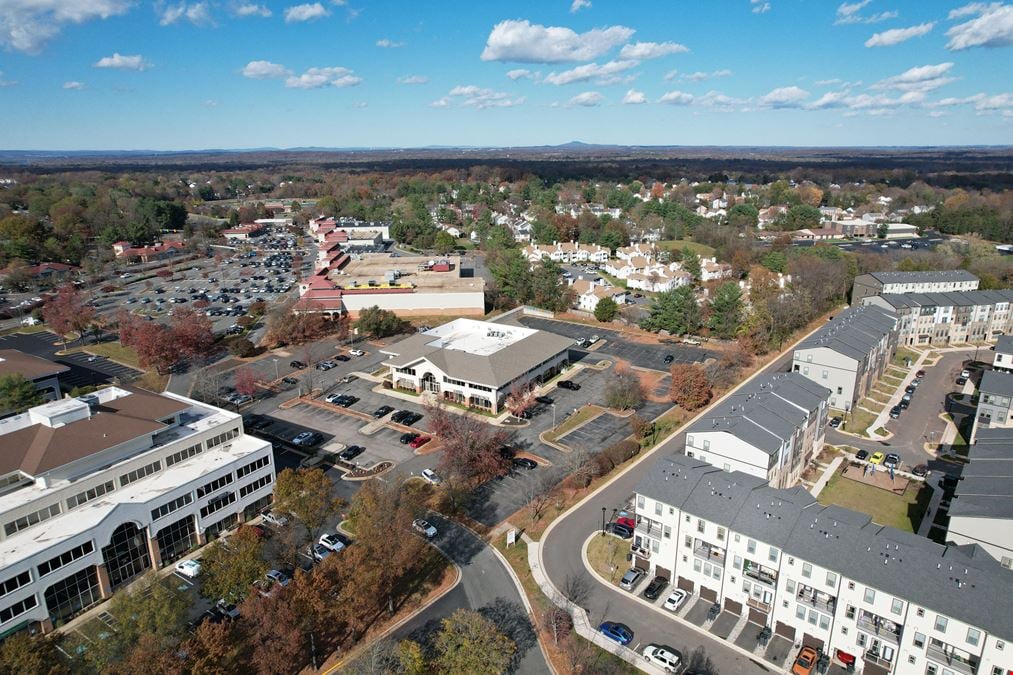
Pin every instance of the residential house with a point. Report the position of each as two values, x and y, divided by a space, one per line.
995 398
567 252
587 293
1003 359
712 270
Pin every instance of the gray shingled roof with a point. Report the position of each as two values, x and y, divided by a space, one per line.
765 412
922 277
956 581
950 299
985 489
496 369
853 332
994 382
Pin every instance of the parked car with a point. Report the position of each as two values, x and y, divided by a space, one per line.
419 442
895 411
351 452
904 403
892 460
669 358
326 365
616 631
906 397
835 422
862 454
965 373
911 388
668 658
568 384
278 577
545 400
342 358
654 589
805 663
382 411
920 374
276 519
961 381
593 339
188 568
877 458
631 579
348 378
524 463
305 438
347 400
318 552
408 437
431 476
675 599
356 352
626 521
621 531
331 542
290 380
425 528
920 470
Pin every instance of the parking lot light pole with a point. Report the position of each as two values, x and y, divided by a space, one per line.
603 521
553 415
275 368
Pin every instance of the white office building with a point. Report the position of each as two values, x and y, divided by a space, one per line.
101 488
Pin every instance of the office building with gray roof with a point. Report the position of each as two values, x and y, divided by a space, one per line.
848 354
823 576
771 428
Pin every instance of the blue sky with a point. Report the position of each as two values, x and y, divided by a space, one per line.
122 74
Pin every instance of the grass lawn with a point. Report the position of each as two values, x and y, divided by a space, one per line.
114 351
701 250
905 512
607 556
872 404
878 397
859 421
583 415
615 281
38 328
902 354
891 381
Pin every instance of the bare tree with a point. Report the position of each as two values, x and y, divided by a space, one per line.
577 588
207 384
558 622
580 467
537 494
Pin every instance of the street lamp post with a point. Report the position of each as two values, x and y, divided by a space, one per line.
603 521
553 415
275 368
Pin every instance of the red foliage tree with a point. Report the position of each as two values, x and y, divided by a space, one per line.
153 343
191 333
470 446
245 381
67 311
520 399
691 389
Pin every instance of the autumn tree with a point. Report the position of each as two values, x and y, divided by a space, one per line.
690 388
68 312
521 398
606 309
229 570
624 389
280 646
470 445
18 393
306 495
378 323
22 653
191 333
245 381
153 343
214 649
470 643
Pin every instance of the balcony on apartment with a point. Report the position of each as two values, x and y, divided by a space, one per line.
817 599
952 658
757 572
648 527
879 626
702 549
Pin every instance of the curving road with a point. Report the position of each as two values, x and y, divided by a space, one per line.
485 587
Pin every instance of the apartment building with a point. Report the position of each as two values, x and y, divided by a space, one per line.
98 489
995 397
981 511
824 576
771 428
849 353
949 318
941 281
567 252
1003 359
587 293
475 363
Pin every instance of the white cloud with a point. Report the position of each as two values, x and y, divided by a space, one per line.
6 83
264 70
74 85
921 78
198 13
315 78
677 98
588 99
991 27
413 79
360 104
525 42
578 5
387 43
591 71
480 98
997 102
26 25
895 36
252 9
831 99
210 103
307 12
937 113
837 80
719 101
121 62
642 51
634 97
784 97
520 74
851 13
759 6
698 76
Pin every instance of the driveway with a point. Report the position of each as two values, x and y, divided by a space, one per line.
485 587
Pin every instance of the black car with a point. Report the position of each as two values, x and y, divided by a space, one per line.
544 399
910 389
410 418
298 365
342 357
619 530
408 437
382 411
654 589
347 400
892 460
523 414
351 452
400 416
290 380
669 358
961 381
524 463
568 384
904 404
896 411
921 470
862 454
506 452
835 423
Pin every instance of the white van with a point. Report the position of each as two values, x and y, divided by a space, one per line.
666 657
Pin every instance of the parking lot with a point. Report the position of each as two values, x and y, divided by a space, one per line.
642 355
85 369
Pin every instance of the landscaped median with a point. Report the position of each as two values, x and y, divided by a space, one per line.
902 509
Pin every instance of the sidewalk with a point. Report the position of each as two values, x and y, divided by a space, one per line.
828 473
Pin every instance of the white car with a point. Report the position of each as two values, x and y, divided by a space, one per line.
431 477
425 527
188 568
965 373
331 542
356 352
675 599
276 519
668 658
278 577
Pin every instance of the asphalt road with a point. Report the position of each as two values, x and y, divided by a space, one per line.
561 558
485 587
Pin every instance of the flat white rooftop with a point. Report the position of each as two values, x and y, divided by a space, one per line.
480 338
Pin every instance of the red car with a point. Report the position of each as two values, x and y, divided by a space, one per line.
628 522
419 442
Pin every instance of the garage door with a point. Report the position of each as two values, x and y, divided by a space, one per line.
810 641
785 630
685 584
875 669
641 564
660 571
708 594
757 617
733 607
